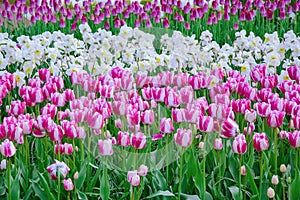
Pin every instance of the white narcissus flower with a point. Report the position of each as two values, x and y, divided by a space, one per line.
19 78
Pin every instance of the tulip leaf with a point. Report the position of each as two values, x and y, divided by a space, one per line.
81 176
38 191
45 186
234 192
15 187
81 195
250 179
294 188
165 193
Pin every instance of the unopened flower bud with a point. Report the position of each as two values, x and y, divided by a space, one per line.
201 145
282 168
271 192
243 170
274 180
76 176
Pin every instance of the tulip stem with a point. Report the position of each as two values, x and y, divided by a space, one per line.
180 175
167 167
296 159
275 149
260 172
58 182
8 178
240 177
219 177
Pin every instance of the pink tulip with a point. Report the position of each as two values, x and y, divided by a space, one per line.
7 148
133 178
186 95
218 144
95 120
294 139
68 185
118 123
240 105
260 141
123 139
49 109
205 124
269 81
70 129
142 170
178 115
172 98
275 118
3 164
58 99
105 147
263 109
138 140
250 115
229 128
159 94
56 133
239 144
147 117
183 137
181 79
166 125
133 116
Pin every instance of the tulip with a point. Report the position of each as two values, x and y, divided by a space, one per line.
123 139
271 193
56 133
250 115
142 170
275 118
138 140
3 164
260 141
178 115
166 125
58 166
205 124
183 137
95 120
172 98
263 109
147 117
105 147
243 170
282 168
229 128
68 185
239 144
218 144
7 148
275 180
294 139
186 95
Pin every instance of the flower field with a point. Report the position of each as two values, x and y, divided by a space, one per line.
150 100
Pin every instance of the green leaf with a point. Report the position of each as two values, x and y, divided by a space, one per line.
81 195
15 187
104 185
38 191
45 186
250 179
28 194
81 176
294 188
234 192
161 193
189 197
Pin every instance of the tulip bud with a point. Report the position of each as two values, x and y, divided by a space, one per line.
282 168
218 145
201 145
271 192
243 170
76 176
142 170
274 180
68 185
3 164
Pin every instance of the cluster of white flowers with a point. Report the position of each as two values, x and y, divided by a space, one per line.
135 50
